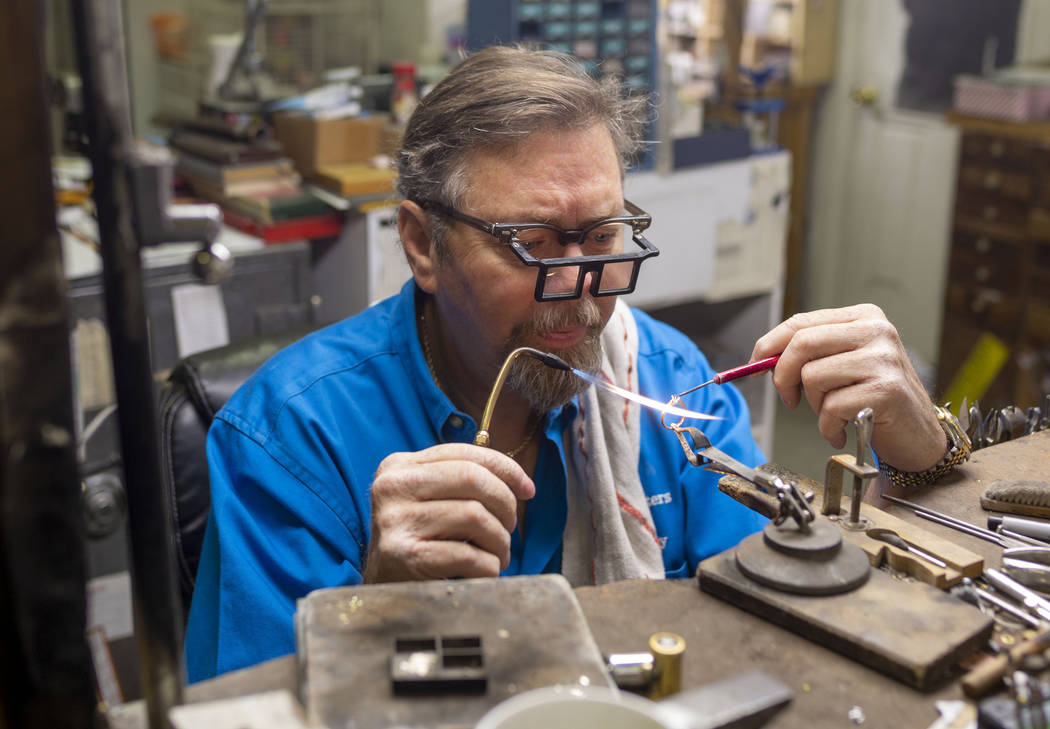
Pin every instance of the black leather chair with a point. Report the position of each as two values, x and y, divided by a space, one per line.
199 385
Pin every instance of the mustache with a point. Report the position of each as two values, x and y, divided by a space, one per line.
551 318
543 387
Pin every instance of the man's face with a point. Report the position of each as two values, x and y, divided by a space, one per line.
569 179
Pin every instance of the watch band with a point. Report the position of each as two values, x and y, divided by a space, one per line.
958 452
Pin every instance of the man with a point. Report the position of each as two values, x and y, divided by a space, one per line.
348 457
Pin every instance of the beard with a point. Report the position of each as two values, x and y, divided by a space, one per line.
544 387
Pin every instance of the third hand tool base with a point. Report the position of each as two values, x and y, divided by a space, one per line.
905 629
910 631
810 561
803 574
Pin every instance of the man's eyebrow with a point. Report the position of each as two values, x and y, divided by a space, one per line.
616 212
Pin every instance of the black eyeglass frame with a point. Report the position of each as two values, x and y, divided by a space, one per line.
507 234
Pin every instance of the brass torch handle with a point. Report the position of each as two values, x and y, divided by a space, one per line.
482 437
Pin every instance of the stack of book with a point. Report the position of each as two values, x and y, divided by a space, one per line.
253 181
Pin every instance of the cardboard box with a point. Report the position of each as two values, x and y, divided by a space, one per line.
313 143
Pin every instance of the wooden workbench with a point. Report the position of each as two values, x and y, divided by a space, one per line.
723 640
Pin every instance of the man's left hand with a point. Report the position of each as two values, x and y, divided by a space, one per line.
844 360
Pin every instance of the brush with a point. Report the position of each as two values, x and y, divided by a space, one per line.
1027 498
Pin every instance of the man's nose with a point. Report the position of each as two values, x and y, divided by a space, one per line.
573 249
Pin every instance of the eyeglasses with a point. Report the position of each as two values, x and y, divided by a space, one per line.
604 245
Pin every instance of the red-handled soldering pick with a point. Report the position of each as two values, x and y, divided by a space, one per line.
735 373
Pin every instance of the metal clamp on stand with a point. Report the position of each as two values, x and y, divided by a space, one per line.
794 503
807 556
862 474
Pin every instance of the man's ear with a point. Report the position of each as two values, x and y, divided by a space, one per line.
414 228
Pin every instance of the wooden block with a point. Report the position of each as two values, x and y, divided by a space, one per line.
532 629
961 562
907 630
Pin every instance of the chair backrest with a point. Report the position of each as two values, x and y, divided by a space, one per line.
198 387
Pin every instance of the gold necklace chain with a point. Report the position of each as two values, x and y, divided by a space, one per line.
433 373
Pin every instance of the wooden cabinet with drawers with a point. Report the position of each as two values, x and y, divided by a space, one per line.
999 268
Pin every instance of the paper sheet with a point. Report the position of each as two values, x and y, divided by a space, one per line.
200 318
109 605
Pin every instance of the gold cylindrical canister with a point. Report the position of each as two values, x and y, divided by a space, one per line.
667 650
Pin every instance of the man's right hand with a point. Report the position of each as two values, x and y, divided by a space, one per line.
447 511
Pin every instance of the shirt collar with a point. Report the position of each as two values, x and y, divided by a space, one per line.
437 408
444 418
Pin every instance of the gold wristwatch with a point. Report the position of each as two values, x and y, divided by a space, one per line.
958 451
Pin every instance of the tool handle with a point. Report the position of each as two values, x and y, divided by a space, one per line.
985 676
890 538
988 673
743 370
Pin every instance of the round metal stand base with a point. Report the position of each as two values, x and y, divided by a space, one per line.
861 525
811 562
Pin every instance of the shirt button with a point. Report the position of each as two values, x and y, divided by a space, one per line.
455 421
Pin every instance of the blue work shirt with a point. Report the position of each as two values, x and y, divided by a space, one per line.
294 451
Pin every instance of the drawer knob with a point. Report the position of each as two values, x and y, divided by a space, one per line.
991 212
992 181
983 245
982 274
997 148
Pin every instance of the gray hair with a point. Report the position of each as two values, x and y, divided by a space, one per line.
494 99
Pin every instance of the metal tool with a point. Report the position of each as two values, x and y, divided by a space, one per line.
656 673
969 592
631 671
744 701
893 538
1031 528
1002 424
863 422
1028 565
735 373
1033 420
438 664
667 650
1030 574
1033 602
1040 555
862 474
1022 538
669 407
1011 423
807 557
1029 699
957 524
794 503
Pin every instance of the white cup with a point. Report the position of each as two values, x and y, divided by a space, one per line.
572 707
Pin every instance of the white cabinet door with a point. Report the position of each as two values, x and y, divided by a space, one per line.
883 185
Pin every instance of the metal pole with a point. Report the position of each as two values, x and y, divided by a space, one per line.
158 621
46 677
